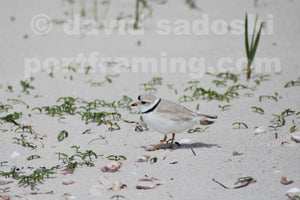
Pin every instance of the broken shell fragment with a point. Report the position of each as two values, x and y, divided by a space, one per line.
206 121
5 182
284 181
260 130
117 186
103 180
68 182
143 158
293 190
186 141
150 148
148 183
296 137
97 190
235 153
4 197
112 166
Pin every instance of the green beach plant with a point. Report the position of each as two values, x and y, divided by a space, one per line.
252 47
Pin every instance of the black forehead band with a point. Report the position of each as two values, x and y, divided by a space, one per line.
139 97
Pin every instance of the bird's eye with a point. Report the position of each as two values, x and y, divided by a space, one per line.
143 102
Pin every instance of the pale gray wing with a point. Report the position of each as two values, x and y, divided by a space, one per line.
175 112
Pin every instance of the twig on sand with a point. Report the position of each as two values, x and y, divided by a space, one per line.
243 180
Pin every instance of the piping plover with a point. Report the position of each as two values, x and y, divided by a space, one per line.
166 116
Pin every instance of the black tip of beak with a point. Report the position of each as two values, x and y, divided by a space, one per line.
134 104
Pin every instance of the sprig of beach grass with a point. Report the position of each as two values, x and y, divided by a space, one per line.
252 47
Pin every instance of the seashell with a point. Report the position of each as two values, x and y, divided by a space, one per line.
284 181
148 183
185 141
67 196
68 182
206 121
235 153
97 190
293 190
260 130
143 158
117 186
296 137
67 171
5 197
112 166
150 148
103 180
5 182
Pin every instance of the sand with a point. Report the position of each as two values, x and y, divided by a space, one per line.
185 172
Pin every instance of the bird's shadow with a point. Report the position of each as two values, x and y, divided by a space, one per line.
187 146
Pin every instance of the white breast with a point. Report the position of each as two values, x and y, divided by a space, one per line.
164 125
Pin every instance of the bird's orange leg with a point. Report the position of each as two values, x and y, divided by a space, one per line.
173 137
158 146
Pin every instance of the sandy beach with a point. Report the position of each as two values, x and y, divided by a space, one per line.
71 69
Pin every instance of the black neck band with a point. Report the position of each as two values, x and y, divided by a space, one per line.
153 108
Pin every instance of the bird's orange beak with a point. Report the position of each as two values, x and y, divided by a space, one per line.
134 104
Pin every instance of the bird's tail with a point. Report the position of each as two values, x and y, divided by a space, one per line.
208 116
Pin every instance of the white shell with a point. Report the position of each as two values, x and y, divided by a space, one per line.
117 186
149 183
68 182
150 148
97 190
260 130
68 196
185 141
143 158
293 190
296 137
103 180
112 166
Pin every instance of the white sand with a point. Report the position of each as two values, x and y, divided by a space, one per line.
264 158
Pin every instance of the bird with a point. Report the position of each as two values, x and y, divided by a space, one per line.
167 117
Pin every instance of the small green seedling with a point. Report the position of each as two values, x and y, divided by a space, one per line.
185 98
2 163
287 112
292 83
275 127
258 109
116 157
153 160
275 97
198 129
218 83
10 88
89 154
251 48
226 76
76 147
279 120
225 107
24 143
32 157
239 124
293 129
26 85
117 196
248 94
62 135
